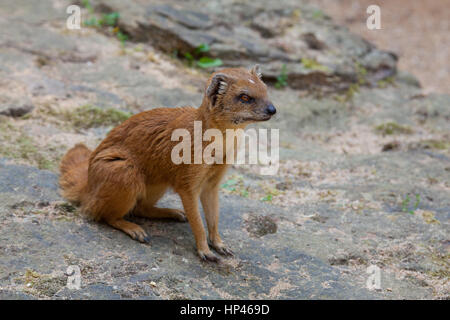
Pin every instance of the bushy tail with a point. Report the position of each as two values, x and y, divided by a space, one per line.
74 173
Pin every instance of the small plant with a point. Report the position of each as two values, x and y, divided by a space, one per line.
109 19
88 6
244 193
91 22
318 14
267 198
230 184
405 204
361 73
282 78
122 37
235 185
270 193
349 94
386 82
106 20
200 60
416 204
354 88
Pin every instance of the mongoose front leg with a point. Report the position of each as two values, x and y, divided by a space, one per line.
146 207
132 229
190 204
210 202
159 213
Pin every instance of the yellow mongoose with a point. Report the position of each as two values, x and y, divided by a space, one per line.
131 169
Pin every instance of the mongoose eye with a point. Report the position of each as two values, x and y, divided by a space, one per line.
245 98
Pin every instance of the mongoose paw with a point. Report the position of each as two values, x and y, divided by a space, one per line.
223 250
139 235
147 239
130 228
180 216
208 256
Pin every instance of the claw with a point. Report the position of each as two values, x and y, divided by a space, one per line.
225 251
140 236
182 217
147 239
221 249
209 257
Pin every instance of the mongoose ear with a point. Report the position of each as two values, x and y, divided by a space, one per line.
256 70
218 85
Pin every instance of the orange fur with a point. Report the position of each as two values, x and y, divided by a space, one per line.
131 169
74 172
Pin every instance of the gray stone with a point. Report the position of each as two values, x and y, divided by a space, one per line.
15 108
242 38
167 268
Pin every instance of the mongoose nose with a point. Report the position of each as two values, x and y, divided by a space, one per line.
271 109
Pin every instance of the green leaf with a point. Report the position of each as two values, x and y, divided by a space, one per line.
91 22
122 36
88 6
405 204
416 204
244 193
229 184
282 78
206 62
109 19
204 47
317 14
188 56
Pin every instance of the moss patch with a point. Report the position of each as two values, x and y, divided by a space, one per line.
386 82
43 285
361 73
313 65
390 128
435 144
348 94
443 263
429 218
18 145
83 117
88 116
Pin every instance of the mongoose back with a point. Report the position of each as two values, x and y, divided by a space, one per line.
131 169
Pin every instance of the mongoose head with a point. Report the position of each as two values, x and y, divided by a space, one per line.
238 96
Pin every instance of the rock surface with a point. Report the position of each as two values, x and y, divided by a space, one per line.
317 53
363 179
